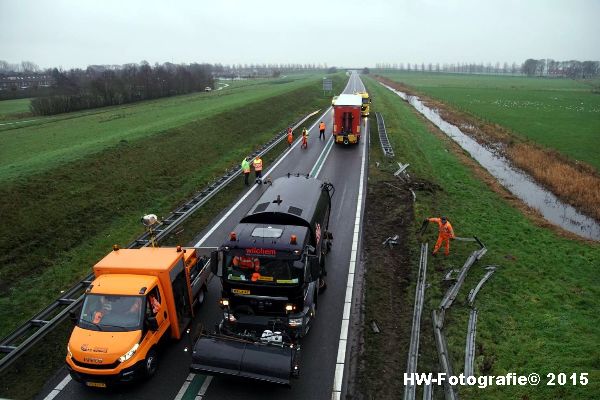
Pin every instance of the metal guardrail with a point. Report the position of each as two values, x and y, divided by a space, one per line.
490 270
24 337
413 349
438 323
428 392
444 358
470 346
453 291
387 148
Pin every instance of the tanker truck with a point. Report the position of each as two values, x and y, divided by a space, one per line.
272 268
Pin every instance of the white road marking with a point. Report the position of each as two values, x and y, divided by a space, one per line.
56 391
204 388
340 364
330 144
186 384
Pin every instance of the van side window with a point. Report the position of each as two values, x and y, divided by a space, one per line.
153 300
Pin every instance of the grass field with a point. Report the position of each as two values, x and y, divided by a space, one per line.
68 216
52 141
561 114
13 109
538 313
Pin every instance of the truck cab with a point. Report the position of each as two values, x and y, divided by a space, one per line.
366 103
139 297
281 280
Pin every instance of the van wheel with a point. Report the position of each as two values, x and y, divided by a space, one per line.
150 363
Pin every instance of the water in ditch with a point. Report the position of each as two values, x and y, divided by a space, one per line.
516 181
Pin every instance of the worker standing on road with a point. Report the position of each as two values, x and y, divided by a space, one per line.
257 164
246 170
290 136
304 138
445 234
322 130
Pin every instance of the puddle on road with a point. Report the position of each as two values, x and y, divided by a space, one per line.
516 181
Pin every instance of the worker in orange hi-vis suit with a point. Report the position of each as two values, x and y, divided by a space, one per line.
290 136
445 234
304 139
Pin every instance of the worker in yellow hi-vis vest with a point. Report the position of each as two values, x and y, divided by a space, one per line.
258 166
246 169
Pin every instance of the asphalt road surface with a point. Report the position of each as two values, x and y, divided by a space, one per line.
320 359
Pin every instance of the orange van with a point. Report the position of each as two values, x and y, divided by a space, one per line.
138 297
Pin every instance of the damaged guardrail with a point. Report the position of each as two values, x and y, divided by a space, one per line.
413 350
444 358
453 291
438 317
490 270
386 147
470 346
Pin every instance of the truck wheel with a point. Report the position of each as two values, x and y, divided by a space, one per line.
150 363
201 295
322 285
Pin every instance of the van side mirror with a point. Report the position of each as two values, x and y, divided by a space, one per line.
216 263
152 324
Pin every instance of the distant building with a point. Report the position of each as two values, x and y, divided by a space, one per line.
25 81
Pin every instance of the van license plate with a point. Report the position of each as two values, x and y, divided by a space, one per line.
96 384
240 291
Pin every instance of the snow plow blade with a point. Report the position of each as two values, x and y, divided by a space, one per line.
222 355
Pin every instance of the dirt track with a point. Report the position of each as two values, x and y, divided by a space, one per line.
389 275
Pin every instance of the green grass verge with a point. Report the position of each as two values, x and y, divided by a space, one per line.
561 114
52 141
538 313
14 109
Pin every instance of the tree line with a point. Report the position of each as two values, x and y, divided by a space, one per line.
107 85
100 86
531 67
570 69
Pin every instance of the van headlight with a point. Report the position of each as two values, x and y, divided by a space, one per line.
293 322
130 353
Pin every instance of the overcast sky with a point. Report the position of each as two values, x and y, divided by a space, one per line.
77 33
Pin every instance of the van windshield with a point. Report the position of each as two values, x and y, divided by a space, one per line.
264 270
112 313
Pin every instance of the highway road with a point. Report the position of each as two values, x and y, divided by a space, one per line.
323 365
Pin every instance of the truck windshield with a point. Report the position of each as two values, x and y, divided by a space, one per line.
112 313
263 270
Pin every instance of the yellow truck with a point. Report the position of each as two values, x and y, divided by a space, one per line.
366 103
138 298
